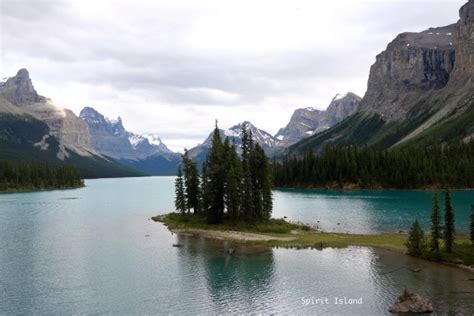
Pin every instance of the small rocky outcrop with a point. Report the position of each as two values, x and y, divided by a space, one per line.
411 303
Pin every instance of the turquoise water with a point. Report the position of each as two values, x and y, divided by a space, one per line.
368 211
94 250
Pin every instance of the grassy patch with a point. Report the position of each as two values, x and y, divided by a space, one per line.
190 221
305 237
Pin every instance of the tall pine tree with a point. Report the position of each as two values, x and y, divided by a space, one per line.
248 207
233 186
449 229
229 188
261 184
472 224
180 198
435 225
191 181
416 240
216 179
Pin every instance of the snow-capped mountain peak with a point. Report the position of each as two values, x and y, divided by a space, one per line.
153 139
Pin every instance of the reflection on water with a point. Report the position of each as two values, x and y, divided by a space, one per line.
95 251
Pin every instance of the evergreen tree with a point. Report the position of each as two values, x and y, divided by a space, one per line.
216 179
191 181
416 240
248 207
232 182
449 229
33 175
435 225
229 188
204 189
472 224
408 167
180 198
261 184
267 194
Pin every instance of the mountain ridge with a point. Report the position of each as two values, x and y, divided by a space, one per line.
309 121
146 153
32 127
419 91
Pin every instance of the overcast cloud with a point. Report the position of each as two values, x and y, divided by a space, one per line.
172 67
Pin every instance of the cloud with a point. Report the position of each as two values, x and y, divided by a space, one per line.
172 67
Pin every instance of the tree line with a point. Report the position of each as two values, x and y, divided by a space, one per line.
24 175
401 168
442 228
230 188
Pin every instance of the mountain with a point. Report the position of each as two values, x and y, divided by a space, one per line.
268 143
420 91
33 127
309 121
146 153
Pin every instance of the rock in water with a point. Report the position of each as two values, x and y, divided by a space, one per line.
411 303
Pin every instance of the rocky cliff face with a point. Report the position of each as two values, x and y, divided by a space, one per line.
412 65
420 90
464 46
64 125
110 138
19 90
308 121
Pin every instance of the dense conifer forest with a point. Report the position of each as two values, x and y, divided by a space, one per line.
26 176
230 188
412 167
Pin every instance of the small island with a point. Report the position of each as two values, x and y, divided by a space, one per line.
232 200
281 233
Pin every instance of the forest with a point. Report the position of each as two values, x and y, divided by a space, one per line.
414 167
30 176
230 188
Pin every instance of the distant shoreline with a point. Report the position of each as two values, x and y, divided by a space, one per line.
352 188
30 190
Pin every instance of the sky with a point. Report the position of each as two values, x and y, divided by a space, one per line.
173 67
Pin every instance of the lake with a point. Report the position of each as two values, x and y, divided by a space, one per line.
94 250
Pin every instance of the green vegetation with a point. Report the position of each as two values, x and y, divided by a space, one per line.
416 240
229 190
199 221
449 228
180 197
399 168
374 131
459 251
356 129
459 125
23 176
472 225
191 183
20 133
436 227
302 236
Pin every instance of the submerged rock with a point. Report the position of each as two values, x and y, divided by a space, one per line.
411 303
